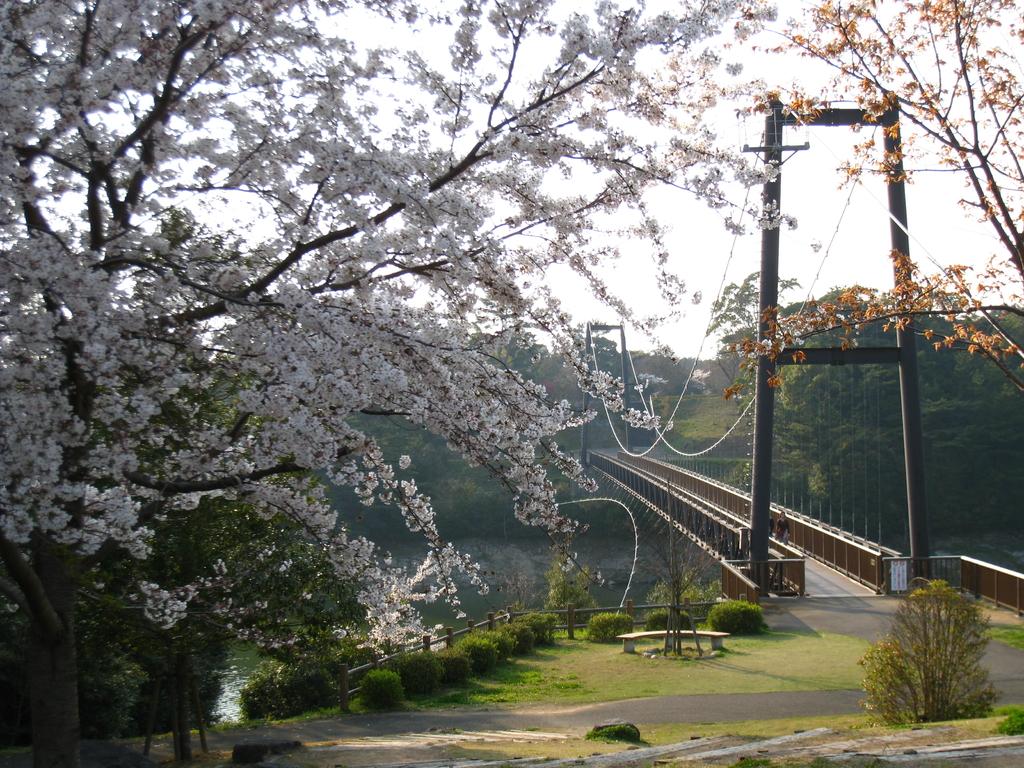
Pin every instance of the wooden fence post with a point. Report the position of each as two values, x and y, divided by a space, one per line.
470 625
426 642
343 688
630 611
449 637
508 614
570 620
490 621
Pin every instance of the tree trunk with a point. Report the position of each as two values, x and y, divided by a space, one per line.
53 667
181 684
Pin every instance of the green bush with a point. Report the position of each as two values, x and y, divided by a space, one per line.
381 689
421 672
737 617
542 624
603 627
522 638
656 619
615 732
505 643
919 674
1013 725
455 666
277 690
482 652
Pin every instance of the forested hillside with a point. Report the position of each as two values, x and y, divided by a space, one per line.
838 452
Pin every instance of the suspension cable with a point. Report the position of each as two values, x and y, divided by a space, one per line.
660 433
624 449
636 535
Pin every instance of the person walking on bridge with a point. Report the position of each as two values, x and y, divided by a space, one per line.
782 528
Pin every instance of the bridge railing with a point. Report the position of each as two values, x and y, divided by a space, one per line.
653 483
992 582
782 576
986 581
736 581
901 571
856 558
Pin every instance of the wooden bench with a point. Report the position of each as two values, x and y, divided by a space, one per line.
629 640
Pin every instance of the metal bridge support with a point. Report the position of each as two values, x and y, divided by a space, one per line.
764 409
905 353
906 341
585 429
627 387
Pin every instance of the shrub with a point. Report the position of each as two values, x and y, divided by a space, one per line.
928 667
656 619
276 690
737 617
455 666
420 672
542 624
603 627
1013 725
505 643
381 689
522 638
615 732
482 652
568 584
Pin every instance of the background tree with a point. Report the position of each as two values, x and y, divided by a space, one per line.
385 216
953 70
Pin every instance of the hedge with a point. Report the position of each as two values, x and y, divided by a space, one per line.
482 652
542 624
381 689
421 672
603 627
737 617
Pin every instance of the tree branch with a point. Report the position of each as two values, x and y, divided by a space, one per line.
15 595
171 487
35 601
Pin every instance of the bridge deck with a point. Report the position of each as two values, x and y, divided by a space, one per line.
822 581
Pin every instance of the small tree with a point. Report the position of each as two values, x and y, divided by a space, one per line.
928 667
681 567
568 583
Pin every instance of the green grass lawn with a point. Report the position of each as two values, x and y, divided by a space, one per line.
1011 635
575 671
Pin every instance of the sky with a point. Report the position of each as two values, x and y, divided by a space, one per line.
815 192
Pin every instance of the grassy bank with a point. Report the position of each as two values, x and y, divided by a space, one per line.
578 672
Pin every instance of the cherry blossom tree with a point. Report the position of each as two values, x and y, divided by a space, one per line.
366 223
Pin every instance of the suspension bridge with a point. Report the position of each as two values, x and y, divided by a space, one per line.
734 525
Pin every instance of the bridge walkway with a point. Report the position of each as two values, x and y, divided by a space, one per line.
822 581
819 559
